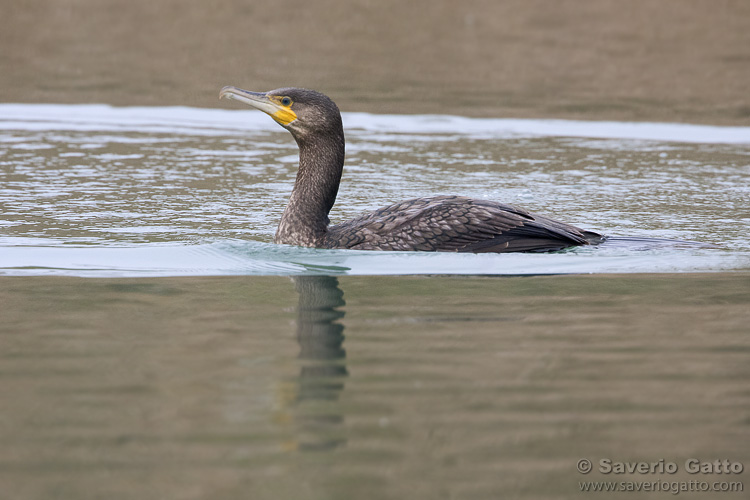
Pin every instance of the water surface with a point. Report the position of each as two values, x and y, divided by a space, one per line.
366 387
175 375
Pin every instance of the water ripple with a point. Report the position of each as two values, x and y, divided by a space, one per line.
136 179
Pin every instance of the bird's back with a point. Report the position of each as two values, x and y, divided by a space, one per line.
457 224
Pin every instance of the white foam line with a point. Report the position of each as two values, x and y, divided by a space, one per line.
444 124
263 259
212 122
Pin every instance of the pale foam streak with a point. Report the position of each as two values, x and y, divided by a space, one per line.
263 259
214 122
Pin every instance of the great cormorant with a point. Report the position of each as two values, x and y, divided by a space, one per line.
437 223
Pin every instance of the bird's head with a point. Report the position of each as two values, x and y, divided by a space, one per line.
301 111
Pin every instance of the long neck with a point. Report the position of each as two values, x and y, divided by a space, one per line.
321 161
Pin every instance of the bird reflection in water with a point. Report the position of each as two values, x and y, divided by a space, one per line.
317 418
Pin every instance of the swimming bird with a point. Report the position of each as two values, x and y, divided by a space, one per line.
436 223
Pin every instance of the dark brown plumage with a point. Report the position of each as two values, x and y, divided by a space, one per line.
439 223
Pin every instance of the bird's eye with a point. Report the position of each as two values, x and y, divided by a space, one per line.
286 101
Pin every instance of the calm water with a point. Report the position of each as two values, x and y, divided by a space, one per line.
176 375
366 387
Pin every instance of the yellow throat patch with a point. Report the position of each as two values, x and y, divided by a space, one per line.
284 115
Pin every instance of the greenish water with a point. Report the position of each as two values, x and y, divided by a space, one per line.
366 387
